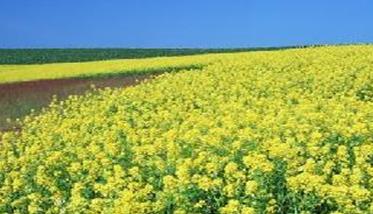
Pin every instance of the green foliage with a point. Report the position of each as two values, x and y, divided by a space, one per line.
41 56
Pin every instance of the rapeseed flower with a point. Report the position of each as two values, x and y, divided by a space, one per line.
264 132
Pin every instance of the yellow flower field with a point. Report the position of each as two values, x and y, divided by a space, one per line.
21 73
286 131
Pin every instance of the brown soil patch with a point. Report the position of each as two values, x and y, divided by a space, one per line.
17 99
59 85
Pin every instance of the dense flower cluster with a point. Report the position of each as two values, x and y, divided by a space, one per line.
267 132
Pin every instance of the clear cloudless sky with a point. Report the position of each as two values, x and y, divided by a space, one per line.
183 23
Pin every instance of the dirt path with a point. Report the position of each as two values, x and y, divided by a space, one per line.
17 99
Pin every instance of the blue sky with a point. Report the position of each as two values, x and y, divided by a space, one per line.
183 23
